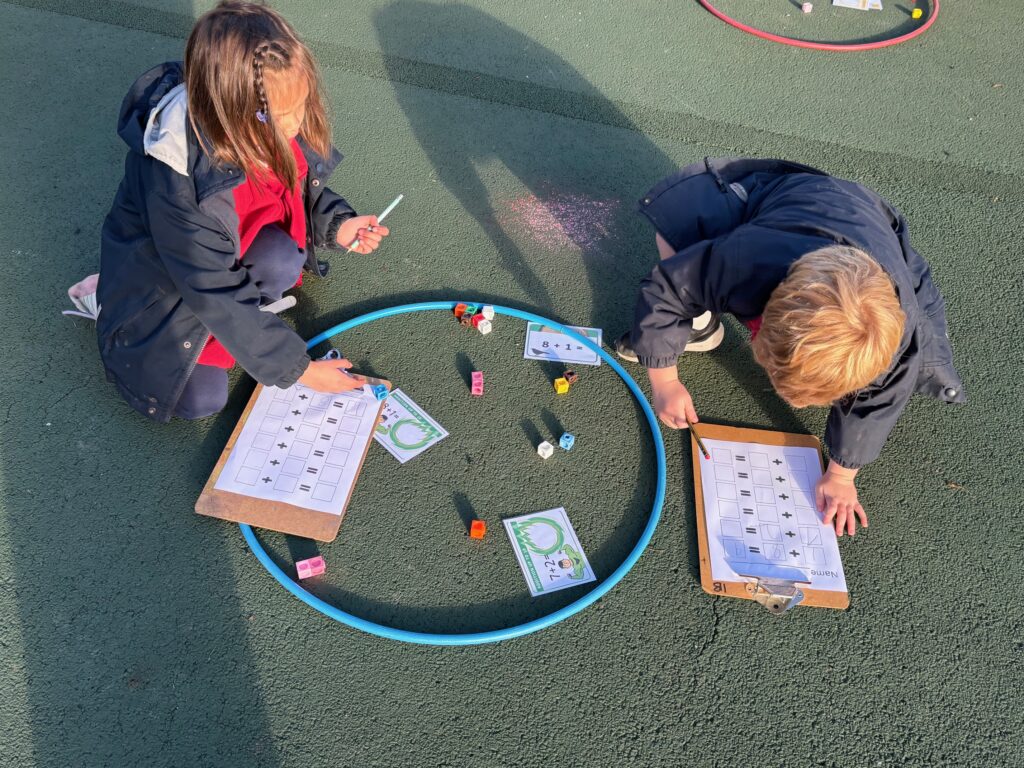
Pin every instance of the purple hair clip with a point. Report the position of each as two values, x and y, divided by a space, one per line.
261 115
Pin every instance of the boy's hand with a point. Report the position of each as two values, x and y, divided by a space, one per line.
330 376
672 401
366 230
837 499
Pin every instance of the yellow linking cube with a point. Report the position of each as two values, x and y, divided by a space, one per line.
561 385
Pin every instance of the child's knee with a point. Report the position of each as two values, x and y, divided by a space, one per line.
274 261
205 394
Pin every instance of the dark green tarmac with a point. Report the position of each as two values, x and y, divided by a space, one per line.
134 633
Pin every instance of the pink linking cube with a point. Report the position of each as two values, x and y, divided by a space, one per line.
314 566
477 389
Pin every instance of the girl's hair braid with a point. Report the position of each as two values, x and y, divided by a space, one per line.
258 57
226 57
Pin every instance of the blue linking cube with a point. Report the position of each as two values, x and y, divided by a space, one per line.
380 391
567 441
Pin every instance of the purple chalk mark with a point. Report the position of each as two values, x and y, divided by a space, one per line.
560 221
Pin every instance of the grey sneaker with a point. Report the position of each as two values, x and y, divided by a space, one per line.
701 340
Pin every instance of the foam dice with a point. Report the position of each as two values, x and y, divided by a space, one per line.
567 441
477 529
380 391
314 566
571 376
477 387
484 326
487 311
561 386
545 450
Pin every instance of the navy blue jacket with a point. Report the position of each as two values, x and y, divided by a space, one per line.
169 260
737 225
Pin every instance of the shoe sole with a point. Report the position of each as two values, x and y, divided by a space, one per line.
706 345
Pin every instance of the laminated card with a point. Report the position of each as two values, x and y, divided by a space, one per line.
548 551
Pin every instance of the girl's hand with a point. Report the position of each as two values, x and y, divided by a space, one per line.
837 497
672 401
366 230
331 376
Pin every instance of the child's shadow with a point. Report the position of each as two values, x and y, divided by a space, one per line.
568 205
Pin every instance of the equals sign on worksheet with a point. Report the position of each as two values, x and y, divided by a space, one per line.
747 511
743 474
755 550
744 493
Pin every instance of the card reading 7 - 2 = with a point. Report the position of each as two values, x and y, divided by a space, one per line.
548 551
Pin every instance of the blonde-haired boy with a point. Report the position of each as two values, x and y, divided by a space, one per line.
842 310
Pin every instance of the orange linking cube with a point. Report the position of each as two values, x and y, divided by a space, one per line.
477 529
459 310
561 386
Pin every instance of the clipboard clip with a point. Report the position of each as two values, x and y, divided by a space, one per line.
776 595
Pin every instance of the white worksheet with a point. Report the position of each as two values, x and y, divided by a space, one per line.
545 343
761 519
301 447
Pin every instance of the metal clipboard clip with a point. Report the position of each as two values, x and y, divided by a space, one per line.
776 595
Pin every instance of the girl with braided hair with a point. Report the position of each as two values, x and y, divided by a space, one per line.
222 206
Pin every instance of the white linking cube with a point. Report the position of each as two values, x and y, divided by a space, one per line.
484 326
545 450
487 312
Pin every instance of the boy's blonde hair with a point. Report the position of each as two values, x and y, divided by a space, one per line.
225 57
830 328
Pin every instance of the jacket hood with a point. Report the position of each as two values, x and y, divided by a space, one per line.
143 98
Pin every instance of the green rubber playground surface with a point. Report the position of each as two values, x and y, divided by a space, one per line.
136 633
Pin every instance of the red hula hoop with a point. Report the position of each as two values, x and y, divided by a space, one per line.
824 46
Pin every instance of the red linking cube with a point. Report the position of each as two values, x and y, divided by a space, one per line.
477 529
477 387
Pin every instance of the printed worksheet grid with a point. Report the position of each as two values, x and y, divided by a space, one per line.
766 508
303 444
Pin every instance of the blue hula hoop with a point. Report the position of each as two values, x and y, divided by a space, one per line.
476 638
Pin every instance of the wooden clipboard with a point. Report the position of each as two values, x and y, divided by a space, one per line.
817 598
275 515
